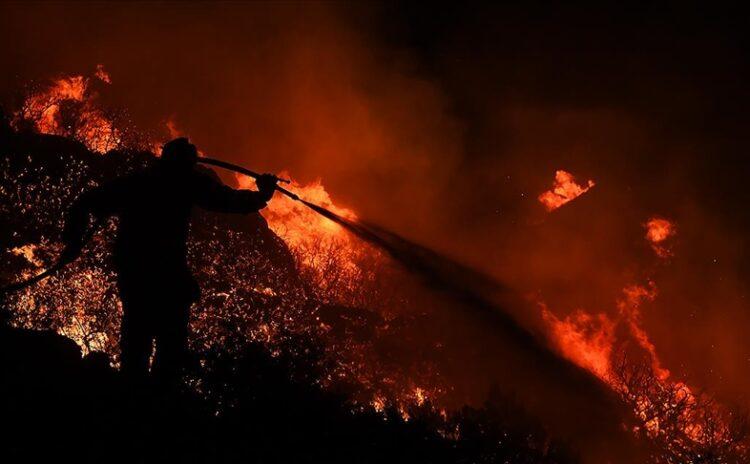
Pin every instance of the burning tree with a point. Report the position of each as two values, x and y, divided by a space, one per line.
69 107
683 426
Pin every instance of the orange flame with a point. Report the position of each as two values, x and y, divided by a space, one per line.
564 189
44 109
306 232
629 307
589 340
585 339
297 224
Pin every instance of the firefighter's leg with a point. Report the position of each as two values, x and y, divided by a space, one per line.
171 343
136 338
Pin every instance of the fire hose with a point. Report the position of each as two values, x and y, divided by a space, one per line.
64 260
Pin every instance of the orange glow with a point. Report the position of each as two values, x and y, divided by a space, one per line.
564 189
174 131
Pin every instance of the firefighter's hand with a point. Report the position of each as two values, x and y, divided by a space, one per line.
266 184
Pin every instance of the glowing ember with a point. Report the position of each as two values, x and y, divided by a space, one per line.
29 253
658 231
102 74
564 189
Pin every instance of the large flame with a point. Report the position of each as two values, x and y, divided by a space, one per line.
586 339
297 224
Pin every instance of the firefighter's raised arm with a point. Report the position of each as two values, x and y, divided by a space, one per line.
212 195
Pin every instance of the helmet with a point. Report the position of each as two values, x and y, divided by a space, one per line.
179 153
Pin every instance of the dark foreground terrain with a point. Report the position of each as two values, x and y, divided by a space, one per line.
57 405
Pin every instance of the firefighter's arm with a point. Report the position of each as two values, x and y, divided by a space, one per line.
215 196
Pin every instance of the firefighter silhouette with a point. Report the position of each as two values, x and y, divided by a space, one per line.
150 253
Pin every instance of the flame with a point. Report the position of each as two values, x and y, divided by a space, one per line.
629 307
658 231
47 112
663 405
585 339
296 224
589 340
564 189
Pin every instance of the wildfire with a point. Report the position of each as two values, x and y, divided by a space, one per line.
564 189
589 340
669 410
658 231
68 107
81 302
